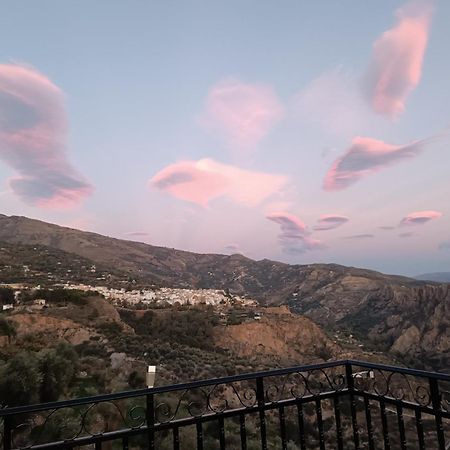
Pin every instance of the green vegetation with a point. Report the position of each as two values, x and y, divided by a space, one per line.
30 377
56 296
6 296
7 328
186 327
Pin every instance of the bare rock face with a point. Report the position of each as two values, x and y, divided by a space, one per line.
408 341
279 333
405 318
54 328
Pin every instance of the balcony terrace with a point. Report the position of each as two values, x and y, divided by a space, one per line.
336 405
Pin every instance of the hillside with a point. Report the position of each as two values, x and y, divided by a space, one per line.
186 343
392 313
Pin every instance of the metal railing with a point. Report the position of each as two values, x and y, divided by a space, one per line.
336 405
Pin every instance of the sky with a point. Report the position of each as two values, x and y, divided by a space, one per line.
302 132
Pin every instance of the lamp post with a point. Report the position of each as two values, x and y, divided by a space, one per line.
150 376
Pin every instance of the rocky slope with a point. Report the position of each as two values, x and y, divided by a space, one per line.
407 319
394 313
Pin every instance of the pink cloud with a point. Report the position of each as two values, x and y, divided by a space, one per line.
33 131
294 236
367 156
329 222
398 55
243 114
420 217
204 180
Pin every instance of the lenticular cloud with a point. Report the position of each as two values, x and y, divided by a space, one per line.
329 222
294 236
33 132
366 156
398 54
204 180
420 217
241 113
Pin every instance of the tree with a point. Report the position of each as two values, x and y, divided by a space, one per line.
7 328
20 380
58 368
6 296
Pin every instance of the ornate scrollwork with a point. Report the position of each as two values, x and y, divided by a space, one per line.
395 385
445 396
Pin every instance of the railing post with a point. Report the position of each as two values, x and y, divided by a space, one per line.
7 433
262 415
150 416
436 403
351 390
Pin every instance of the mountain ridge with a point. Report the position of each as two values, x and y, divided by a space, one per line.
395 313
437 277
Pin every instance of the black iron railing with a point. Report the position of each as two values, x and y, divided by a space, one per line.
337 405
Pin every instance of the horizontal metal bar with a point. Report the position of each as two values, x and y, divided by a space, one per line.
168 388
403 370
214 381
405 404
119 434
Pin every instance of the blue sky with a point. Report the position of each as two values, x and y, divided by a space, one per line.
149 90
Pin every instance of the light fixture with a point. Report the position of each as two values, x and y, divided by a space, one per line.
150 376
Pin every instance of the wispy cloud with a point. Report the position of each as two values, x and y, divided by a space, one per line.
329 222
204 180
232 248
420 218
241 113
294 236
33 133
444 245
137 233
397 60
333 103
365 157
360 236
406 235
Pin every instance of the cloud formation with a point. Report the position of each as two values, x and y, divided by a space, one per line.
204 180
232 248
137 233
444 245
242 114
294 237
33 134
367 156
396 65
406 235
329 222
420 218
360 236
332 102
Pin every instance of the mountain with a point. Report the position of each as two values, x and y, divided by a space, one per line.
397 314
439 277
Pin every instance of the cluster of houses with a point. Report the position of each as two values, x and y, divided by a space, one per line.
148 297
165 296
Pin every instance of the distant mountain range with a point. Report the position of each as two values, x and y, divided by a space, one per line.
439 277
406 316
